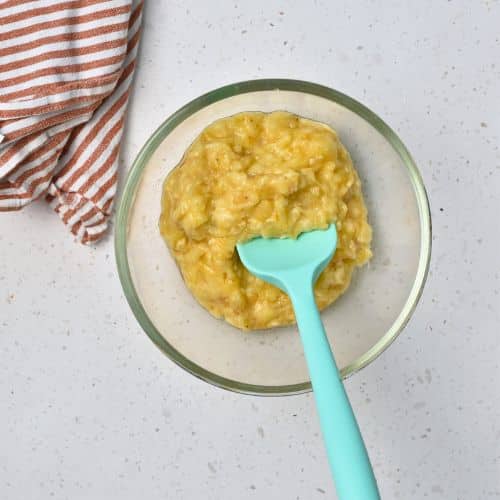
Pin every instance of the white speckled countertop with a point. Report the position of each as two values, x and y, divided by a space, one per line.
90 408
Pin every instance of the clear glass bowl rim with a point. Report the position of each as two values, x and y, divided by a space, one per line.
134 176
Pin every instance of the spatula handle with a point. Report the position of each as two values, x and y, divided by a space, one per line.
349 462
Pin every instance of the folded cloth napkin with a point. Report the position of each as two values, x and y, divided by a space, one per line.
65 74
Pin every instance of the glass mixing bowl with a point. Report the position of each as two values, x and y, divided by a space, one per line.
360 325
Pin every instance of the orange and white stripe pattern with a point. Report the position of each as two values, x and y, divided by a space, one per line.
66 68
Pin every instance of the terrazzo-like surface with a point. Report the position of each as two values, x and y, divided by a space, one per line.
91 409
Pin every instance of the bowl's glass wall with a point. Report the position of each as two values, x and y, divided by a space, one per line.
359 324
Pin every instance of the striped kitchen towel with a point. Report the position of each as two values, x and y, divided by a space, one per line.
65 73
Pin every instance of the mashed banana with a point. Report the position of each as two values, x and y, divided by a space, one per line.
261 174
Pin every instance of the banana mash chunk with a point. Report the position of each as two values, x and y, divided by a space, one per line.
261 174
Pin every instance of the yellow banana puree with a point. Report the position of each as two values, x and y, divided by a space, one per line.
261 174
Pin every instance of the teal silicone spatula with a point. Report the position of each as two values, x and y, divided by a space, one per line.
293 265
